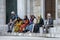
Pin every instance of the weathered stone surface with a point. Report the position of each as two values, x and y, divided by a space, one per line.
2 12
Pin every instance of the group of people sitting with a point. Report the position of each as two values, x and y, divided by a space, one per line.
31 24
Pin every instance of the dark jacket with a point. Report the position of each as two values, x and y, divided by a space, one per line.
50 23
41 22
13 17
38 25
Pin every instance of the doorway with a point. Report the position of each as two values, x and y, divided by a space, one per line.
11 5
50 8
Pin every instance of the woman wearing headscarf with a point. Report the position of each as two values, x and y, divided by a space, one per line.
38 24
18 24
31 20
26 22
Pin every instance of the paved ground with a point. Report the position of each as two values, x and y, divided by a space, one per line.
26 38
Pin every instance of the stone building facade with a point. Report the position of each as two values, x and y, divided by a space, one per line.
36 7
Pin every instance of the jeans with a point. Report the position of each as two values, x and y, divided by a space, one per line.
30 27
10 27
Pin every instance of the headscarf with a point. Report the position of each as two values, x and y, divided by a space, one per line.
26 17
38 20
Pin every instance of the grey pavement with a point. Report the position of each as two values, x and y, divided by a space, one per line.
25 38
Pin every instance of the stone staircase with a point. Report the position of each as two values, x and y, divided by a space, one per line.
54 32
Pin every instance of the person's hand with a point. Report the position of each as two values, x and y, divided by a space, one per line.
14 20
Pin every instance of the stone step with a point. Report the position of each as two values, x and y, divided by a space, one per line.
53 31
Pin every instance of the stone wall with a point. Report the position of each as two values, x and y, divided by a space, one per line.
58 8
2 12
36 7
21 8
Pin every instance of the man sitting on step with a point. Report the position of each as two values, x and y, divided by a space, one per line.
48 24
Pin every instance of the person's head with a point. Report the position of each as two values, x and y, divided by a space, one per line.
30 16
13 13
25 17
33 16
48 15
39 16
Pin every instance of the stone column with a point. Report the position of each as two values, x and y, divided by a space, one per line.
42 10
2 11
21 8
37 7
31 7
28 8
